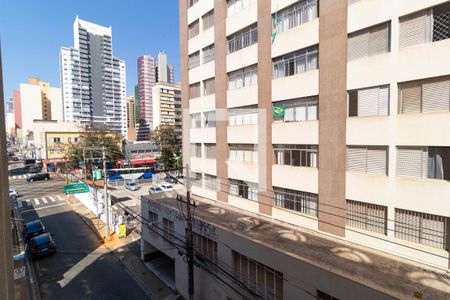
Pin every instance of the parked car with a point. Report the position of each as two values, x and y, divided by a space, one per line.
155 190
40 176
170 179
13 193
167 187
132 186
41 245
32 229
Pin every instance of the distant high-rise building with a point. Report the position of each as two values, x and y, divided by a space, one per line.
131 111
150 71
93 81
136 102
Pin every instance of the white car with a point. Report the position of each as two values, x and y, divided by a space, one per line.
167 187
132 186
13 193
155 190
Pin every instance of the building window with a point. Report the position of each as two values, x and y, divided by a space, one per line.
209 87
264 281
210 182
296 155
423 96
243 38
210 151
295 15
367 102
298 201
235 6
193 29
243 116
153 221
243 152
72 139
368 42
168 231
210 119
194 90
208 54
196 179
296 62
367 216
196 150
194 60
56 140
367 159
244 189
196 120
296 110
322 295
205 247
191 2
243 77
424 162
430 25
421 228
208 20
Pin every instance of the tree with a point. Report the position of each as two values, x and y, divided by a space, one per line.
167 158
165 137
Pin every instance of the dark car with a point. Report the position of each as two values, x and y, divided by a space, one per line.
41 245
40 176
170 179
32 229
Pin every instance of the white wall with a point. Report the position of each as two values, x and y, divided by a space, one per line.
31 102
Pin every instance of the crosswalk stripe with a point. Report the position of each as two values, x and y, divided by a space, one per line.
52 199
60 198
36 200
20 204
44 200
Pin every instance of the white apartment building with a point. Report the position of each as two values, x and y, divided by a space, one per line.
317 134
166 105
93 81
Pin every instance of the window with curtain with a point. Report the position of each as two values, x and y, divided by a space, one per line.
243 152
298 201
367 216
194 90
209 86
370 41
243 116
196 150
367 159
296 62
296 14
196 120
243 77
210 150
210 119
423 162
296 155
366 102
193 29
302 109
208 20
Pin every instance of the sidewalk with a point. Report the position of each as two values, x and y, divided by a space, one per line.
122 250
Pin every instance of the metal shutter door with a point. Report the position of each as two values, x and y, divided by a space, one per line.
379 39
383 102
368 102
409 162
436 95
358 45
410 96
433 231
415 29
356 159
376 160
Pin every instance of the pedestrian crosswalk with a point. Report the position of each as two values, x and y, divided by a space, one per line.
40 201
17 177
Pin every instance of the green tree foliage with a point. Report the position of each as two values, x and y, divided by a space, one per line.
165 137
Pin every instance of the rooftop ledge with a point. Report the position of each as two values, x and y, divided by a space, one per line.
387 273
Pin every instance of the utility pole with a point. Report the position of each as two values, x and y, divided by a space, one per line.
84 164
105 194
189 236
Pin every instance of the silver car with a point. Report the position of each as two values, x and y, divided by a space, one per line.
132 186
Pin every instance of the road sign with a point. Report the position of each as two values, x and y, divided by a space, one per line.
76 188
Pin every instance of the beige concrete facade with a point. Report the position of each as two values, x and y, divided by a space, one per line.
166 105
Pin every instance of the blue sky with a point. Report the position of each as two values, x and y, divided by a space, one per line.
32 32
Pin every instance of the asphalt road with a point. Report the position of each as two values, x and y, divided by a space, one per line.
80 269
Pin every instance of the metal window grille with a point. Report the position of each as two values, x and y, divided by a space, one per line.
367 216
367 159
297 155
209 86
373 101
296 62
194 90
441 22
370 41
422 228
261 279
243 77
243 189
243 38
208 54
302 109
193 29
194 60
296 14
205 246
299 201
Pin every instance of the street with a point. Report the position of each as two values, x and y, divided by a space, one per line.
81 268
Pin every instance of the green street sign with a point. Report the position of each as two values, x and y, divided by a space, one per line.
279 110
76 188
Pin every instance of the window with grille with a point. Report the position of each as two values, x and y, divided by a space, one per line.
424 162
367 159
367 102
243 152
422 228
193 29
196 120
243 77
208 53
153 219
208 20
205 247
243 189
261 279
209 87
210 119
196 150
426 26
295 15
298 201
194 60
235 6
368 42
210 182
296 155
168 231
424 96
367 216
243 116
210 151
296 62
243 38
302 109
191 2
194 90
